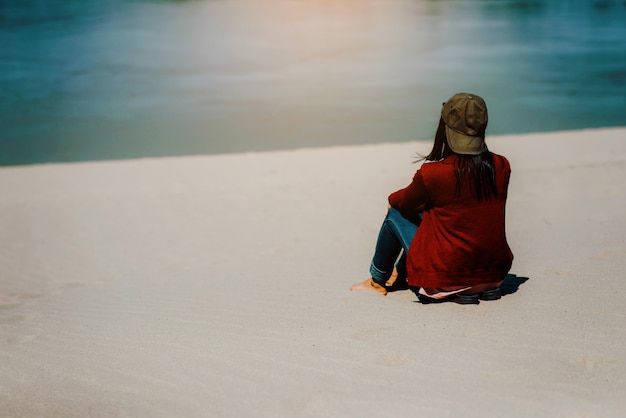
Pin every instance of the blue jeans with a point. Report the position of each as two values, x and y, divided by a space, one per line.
394 238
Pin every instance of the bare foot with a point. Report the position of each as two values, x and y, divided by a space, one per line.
369 284
392 279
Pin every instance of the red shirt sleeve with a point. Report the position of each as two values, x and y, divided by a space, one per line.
411 200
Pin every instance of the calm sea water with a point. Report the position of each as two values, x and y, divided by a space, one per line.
108 79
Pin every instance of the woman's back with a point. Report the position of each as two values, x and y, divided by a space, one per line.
461 239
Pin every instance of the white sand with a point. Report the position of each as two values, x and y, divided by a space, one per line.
218 286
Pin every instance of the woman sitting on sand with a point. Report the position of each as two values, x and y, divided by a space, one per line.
448 224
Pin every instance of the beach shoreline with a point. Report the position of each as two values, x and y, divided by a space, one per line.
218 285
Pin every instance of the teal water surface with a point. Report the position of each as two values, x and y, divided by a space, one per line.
108 79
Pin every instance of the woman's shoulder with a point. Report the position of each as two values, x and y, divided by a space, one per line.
438 169
447 164
444 162
501 159
435 165
449 161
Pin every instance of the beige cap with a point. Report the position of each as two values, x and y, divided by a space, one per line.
465 116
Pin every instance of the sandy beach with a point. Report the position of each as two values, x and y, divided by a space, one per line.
218 286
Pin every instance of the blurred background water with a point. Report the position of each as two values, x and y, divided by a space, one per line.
109 79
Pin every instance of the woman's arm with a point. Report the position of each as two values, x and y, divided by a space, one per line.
411 200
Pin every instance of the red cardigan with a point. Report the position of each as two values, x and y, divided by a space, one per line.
460 242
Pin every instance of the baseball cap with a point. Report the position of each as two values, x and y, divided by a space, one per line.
465 117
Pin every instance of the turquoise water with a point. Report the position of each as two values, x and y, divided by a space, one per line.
108 79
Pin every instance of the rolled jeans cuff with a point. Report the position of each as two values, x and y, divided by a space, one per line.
379 276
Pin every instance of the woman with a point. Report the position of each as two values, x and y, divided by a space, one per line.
448 224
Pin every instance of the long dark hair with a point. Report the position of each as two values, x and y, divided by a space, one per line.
478 169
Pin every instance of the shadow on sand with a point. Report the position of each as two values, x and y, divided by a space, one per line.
511 283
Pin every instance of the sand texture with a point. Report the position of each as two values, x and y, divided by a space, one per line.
217 286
